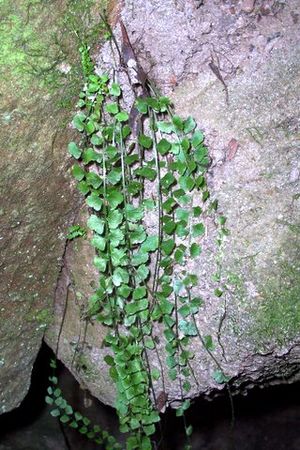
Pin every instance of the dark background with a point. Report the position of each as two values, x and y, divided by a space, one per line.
266 419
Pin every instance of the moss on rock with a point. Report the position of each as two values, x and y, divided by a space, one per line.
39 82
40 41
277 319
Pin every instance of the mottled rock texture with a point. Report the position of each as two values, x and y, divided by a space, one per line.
39 81
191 50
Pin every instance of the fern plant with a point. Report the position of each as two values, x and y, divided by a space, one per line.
143 281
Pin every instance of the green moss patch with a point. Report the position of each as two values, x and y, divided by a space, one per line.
277 319
40 41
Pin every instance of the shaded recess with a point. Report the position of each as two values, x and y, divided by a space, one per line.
264 419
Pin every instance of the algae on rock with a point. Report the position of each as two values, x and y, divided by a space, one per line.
39 81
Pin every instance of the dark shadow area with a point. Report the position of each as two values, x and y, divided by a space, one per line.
28 427
264 419
34 402
31 427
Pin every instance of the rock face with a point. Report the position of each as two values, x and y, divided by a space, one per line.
36 207
39 76
235 69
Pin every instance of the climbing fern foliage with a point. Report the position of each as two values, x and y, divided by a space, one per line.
144 286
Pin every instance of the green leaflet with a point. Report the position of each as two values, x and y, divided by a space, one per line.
163 146
208 342
198 230
197 138
195 250
114 199
139 292
116 237
122 116
182 214
114 219
93 180
169 227
94 201
100 263
124 291
145 141
138 235
181 229
74 150
112 108
126 131
120 276
169 204
118 256
90 127
83 187
131 159
189 125
133 308
114 176
188 328
77 172
95 224
98 242
115 89
134 214
78 121
184 310
220 377
150 244
165 127
147 172
178 123
186 183
167 180
139 258
142 273
197 211
168 246
90 155
141 105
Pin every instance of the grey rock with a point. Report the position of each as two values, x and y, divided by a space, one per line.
255 325
248 5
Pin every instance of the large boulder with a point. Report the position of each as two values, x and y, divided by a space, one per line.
235 69
39 79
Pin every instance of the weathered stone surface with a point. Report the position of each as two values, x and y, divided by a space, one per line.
39 75
36 207
254 142
80 341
